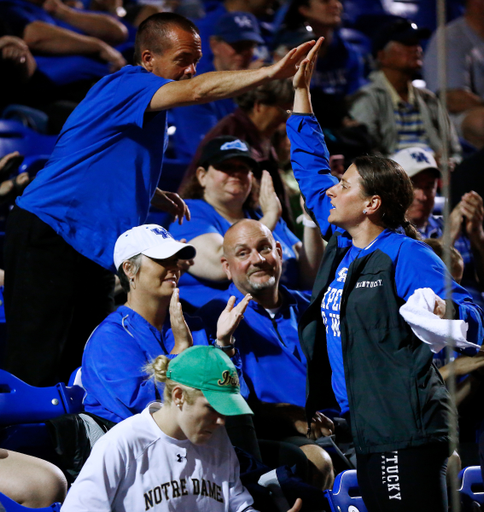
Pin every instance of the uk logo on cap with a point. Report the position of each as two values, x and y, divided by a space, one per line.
161 231
243 21
235 144
420 157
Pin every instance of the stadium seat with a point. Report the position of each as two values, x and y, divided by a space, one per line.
14 136
8 505
472 488
22 403
345 496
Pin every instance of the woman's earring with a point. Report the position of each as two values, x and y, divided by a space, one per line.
364 212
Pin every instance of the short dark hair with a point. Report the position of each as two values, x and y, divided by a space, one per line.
154 33
276 92
385 178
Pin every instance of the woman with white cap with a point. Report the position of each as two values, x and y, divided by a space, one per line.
147 259
175 455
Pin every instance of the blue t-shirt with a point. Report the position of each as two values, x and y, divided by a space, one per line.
330 312
105 166
206 219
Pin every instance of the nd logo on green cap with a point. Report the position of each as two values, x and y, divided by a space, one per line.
229 379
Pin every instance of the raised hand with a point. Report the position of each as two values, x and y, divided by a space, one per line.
181 332
473 211
287 66
302 78
269 202
230 318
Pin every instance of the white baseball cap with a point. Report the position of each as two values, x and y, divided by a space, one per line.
151 240
415 160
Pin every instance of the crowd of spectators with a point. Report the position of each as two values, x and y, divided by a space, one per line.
134 91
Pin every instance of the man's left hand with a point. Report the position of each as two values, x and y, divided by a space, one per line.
172 203
321 426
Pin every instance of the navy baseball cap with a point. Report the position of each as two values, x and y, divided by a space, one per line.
236 26
401 30
222 148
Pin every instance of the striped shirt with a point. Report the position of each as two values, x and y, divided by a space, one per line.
408 120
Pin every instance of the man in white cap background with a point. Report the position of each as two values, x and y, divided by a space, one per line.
175 456
466 230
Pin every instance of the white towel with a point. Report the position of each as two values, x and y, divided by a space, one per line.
418 312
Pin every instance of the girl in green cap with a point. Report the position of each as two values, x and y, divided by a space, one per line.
175 455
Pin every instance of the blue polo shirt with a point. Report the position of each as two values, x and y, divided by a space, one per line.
273 364
105 166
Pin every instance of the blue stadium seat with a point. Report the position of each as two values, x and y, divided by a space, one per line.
14 136
345 495
472 488
8 505
22 403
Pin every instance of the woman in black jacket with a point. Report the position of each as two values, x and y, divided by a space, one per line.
353 333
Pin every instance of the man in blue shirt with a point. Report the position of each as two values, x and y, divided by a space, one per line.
99 182
273 364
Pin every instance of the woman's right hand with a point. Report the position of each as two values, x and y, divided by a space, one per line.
181 332
302 78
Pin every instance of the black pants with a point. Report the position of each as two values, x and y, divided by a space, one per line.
54 298
411 479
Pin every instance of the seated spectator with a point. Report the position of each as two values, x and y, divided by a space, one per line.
268 342
177 452
28 86
467 234
206 25
232 43
147 259
465 73
339 69
30 481
218 195
397 114
80 41
261 112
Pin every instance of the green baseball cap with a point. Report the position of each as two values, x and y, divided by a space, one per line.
208 369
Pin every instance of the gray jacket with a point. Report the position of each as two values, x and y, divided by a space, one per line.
372 105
